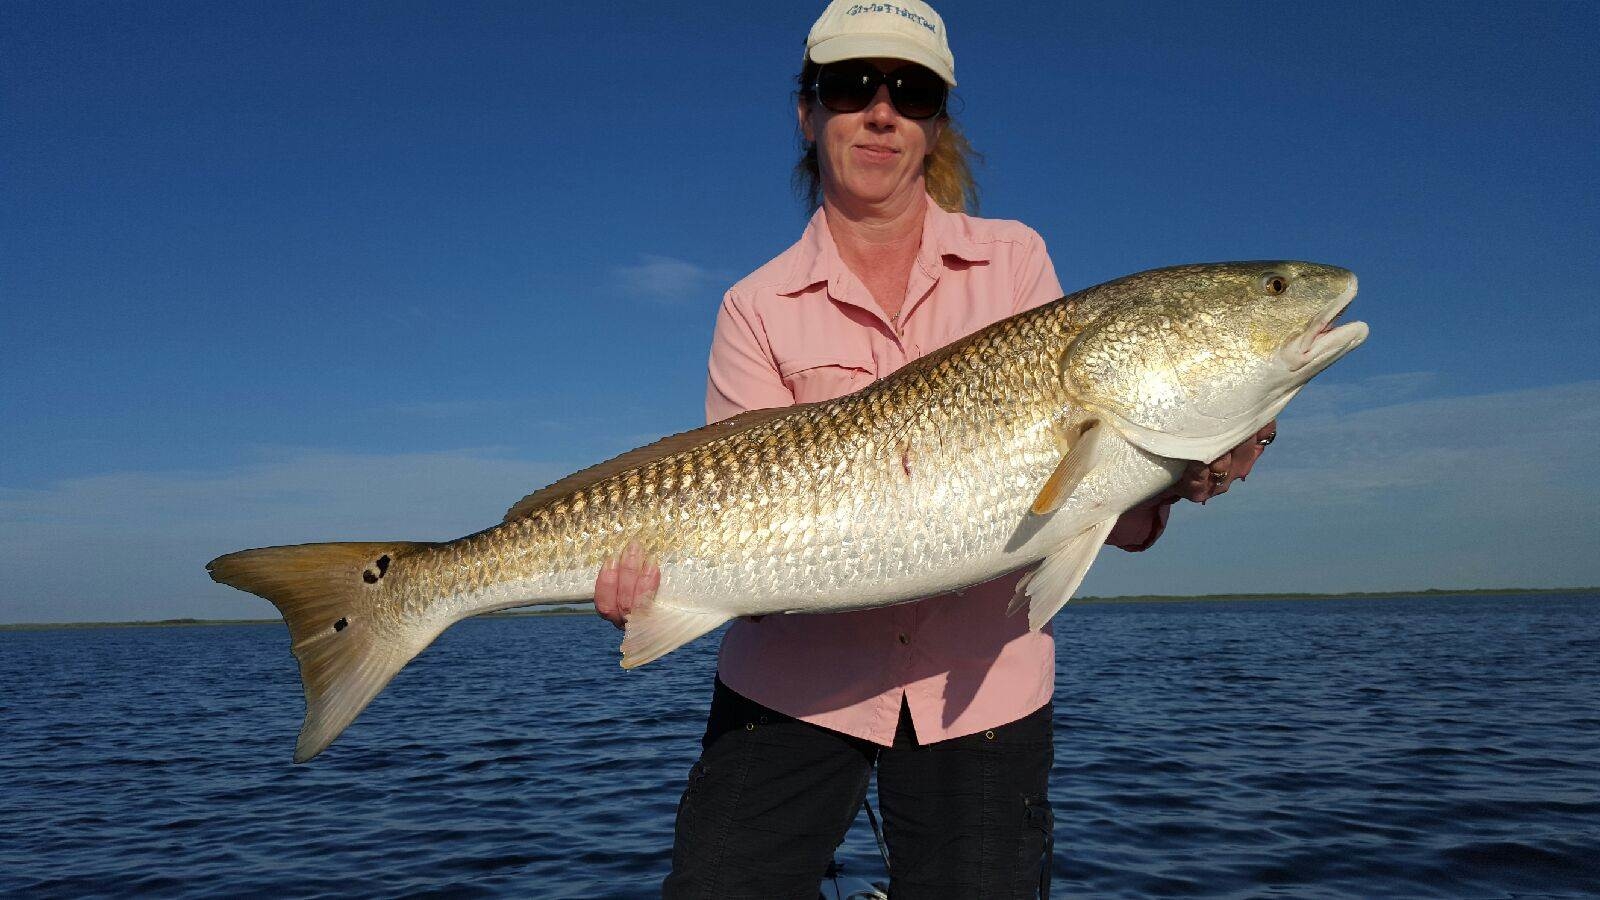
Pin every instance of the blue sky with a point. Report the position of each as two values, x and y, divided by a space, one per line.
274 273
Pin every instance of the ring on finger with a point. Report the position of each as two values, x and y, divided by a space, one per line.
1268 439
1219 477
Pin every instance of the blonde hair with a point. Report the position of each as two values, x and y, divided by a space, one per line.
947 170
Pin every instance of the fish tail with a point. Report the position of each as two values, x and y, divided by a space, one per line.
327 594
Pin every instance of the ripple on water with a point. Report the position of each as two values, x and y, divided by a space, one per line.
1424 748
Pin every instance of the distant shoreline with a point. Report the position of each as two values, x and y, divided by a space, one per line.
1131 598
201 623
1353 595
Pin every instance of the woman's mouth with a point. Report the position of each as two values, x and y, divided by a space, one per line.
877 152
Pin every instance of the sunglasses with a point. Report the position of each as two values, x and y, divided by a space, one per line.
849 86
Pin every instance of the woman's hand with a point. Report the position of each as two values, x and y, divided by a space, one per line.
1200 482
627 582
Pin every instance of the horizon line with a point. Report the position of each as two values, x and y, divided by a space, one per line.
571 609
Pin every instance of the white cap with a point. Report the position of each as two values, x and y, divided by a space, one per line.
901 29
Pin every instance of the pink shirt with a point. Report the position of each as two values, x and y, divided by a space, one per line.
804 328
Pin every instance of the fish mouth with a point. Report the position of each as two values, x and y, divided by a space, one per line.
1323 341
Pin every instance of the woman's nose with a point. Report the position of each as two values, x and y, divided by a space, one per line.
881 110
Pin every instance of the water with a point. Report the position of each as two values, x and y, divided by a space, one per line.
1441 747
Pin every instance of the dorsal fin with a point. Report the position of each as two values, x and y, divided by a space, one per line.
649 453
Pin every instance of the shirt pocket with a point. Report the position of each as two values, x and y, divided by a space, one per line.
814 378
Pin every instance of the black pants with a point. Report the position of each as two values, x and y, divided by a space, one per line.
772 797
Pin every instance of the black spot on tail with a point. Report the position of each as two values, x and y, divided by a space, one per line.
341 625
371 577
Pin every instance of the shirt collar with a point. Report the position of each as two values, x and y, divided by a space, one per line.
944 234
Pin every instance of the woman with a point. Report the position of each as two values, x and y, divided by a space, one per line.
950 700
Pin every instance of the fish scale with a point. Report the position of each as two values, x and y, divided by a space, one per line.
818 471
1023 442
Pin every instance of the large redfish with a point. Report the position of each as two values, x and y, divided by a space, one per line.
1020 443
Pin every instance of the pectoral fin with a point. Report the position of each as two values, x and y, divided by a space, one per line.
1079 461
1048 588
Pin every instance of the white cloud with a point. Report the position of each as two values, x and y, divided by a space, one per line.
1489 445
1376 390
669 280
133 545
1475 491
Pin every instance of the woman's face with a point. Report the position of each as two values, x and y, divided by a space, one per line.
872 157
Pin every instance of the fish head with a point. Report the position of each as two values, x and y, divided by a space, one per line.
1188 362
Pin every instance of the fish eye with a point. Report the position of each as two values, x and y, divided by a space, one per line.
1274 283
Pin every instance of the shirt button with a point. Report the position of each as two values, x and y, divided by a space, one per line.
904 639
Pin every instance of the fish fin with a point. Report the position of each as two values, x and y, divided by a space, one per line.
1048 588
1075 466
645 455
659 629
1019 597
326 594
